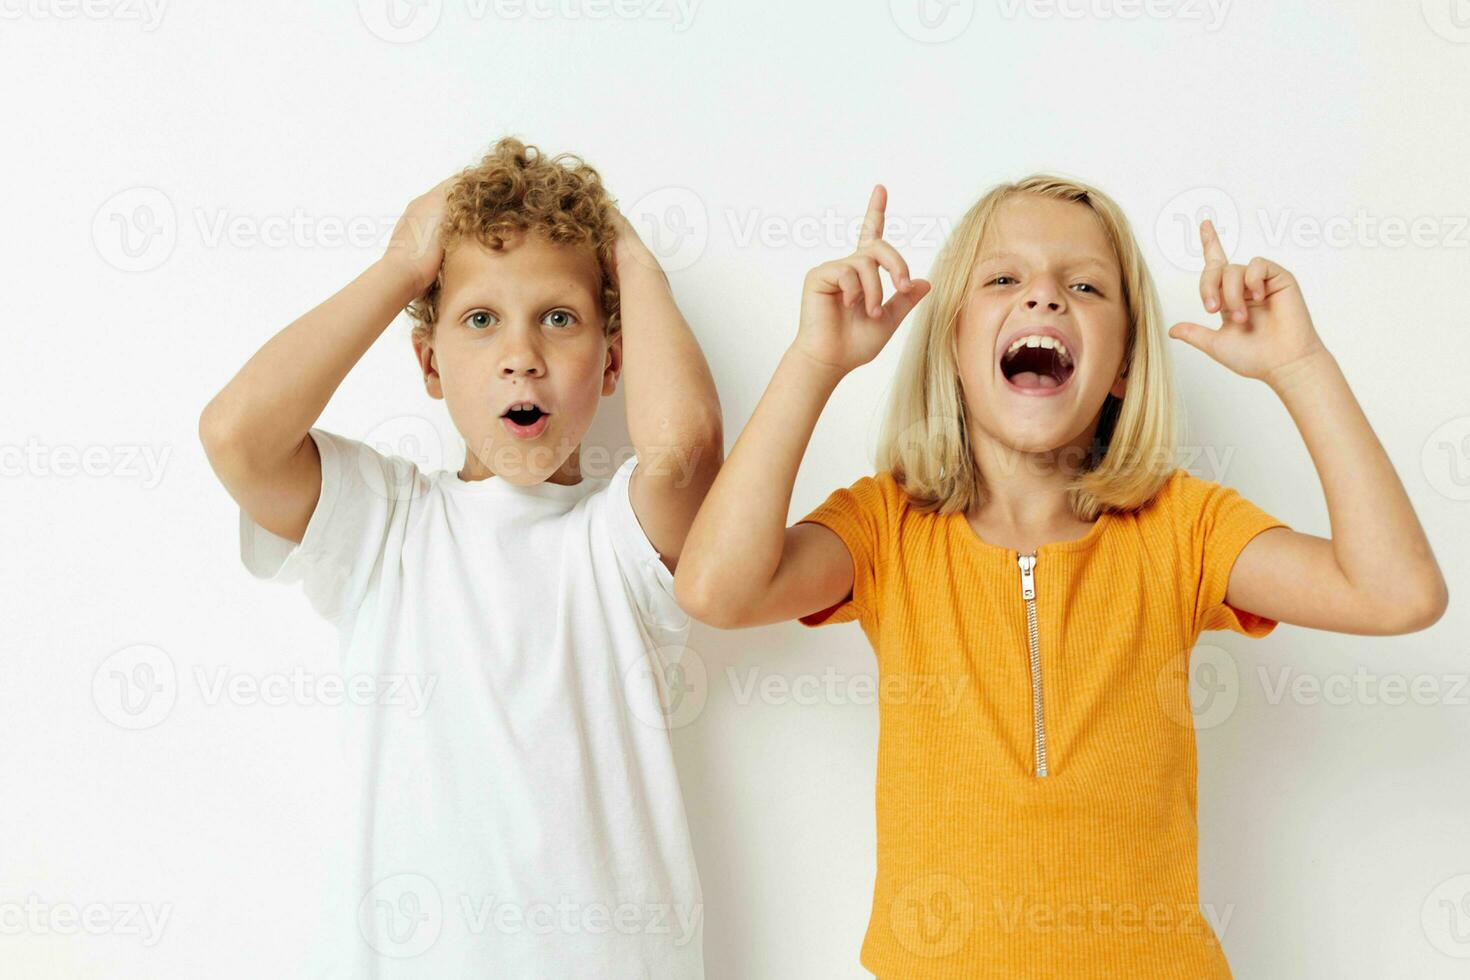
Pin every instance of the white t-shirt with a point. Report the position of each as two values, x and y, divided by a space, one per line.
515 811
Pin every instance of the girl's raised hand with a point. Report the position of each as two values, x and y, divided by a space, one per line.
844 321
1264 323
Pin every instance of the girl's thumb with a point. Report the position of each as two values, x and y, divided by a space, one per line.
1199 337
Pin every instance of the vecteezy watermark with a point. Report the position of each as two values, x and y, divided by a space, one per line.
933 915
1208 13
674 223
147 13
138 229
1176 229
1445 917
667 687
941 692
1445 459
137 687
1199 688
406 21
401 916
1102 917
36 917
1363 687
304 688
1450 19
932 21
123 461
831 230
566 916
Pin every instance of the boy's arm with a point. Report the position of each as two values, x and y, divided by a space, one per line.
742 566
672 406
255 431
1376 575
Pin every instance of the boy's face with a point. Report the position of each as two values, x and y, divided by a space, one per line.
1046 267
522 325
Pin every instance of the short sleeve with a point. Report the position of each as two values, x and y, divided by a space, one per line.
856 514
363 495
1225 524
649 579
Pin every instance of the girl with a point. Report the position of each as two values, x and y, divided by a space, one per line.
1028 543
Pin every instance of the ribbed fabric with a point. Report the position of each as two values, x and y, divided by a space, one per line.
985 869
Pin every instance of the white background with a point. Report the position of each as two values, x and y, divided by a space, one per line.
173 180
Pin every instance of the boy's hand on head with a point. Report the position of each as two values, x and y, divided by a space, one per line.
844 321
1264 323
630 246
416 244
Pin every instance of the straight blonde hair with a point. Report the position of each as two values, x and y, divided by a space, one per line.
925 442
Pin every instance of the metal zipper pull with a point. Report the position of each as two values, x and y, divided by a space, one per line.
1038 723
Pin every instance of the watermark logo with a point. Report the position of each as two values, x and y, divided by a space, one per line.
932 21
674 223
400 21
1445 459
407 437
1176 230
932 916
1450 19
135 687
401 916
136 230
1199 688
667 688
1445 917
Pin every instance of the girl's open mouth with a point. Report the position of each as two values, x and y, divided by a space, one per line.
525 420
1035 368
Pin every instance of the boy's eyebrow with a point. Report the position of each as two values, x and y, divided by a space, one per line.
466 298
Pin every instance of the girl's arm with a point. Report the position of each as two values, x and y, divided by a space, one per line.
742 566
255 431
672 406
1376 575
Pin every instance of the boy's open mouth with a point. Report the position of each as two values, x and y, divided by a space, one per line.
1037 362
525 419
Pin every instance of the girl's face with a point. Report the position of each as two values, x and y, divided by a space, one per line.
1046 272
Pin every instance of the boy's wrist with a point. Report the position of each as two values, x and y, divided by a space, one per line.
399 277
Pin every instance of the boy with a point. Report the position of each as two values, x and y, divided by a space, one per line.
528 822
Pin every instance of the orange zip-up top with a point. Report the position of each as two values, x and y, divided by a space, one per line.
1036 753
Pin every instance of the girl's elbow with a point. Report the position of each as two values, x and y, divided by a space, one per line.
704 600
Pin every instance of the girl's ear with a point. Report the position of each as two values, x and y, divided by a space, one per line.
613 366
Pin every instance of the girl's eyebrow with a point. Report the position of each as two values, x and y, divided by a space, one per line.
1076 262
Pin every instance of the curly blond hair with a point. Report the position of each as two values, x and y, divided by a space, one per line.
514 189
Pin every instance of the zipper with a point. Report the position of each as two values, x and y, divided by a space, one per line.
1038 717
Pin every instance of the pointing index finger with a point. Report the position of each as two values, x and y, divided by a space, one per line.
1213 250
873 220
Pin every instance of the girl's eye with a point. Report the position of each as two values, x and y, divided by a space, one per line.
559 318
999 278
480 319
1088 285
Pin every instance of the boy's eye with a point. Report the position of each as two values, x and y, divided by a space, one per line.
559 318
480 319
